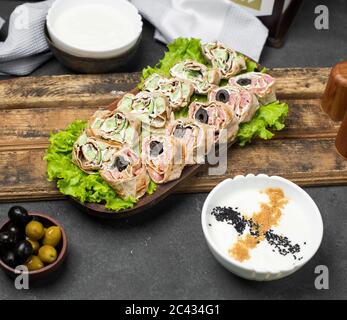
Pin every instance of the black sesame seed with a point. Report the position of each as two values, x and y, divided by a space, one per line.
233 217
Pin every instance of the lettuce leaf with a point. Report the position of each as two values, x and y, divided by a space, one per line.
71 180
252 66
269 117
178 50
152 187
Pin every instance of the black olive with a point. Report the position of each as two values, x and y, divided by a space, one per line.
19 216
156 148
244 82
23 250
9 258
222 95
201 115
6 240
121 163
17 232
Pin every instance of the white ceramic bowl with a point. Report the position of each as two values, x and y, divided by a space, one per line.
67 45
241 192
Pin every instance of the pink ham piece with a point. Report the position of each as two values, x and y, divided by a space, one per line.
242 103
126 174
193 135
258 83
163 157
218 116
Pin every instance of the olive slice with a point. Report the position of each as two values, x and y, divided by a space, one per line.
222 95
156 148
244 82
201 115
120 163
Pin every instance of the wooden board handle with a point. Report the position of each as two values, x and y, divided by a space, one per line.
334 101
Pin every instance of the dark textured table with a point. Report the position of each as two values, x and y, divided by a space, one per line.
163 254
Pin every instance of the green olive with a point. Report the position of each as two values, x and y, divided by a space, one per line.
34 263
34 230
52 236
47 254
35 244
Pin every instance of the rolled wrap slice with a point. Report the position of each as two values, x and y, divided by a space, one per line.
226 60
193 135
218 116
164 158
126 174
258 83
202 78
243 103
91 154
115 127
151 108
177 91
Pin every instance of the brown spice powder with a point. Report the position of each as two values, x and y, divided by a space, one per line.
269 216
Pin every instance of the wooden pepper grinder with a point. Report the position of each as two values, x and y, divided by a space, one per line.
341 138
334 103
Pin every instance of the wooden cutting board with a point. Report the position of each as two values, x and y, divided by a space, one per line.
31 108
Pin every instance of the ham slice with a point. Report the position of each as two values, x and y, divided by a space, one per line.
218 116
163 157
258 83
241 102
193 135
126 174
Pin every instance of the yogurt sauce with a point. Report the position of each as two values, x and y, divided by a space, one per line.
95 27
293 224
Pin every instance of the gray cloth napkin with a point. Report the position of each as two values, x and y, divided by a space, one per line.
25 47
209 20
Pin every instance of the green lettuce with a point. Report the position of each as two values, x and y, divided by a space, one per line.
178 50
71 180
252 66
268 117
152 187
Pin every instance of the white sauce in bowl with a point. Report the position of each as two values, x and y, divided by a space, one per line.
95 27
291 237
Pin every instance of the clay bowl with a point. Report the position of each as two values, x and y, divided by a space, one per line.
48 270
